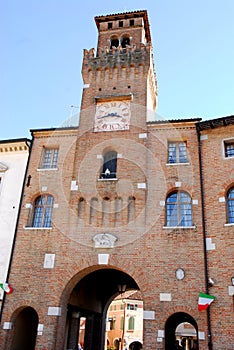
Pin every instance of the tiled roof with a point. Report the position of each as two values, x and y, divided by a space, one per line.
126 15
173 121
130 294
215 123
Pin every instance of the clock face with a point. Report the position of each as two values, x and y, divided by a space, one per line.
180 274
112 116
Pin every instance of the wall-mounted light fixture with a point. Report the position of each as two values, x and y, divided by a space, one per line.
122 288
211 282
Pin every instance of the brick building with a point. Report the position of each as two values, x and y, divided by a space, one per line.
124 200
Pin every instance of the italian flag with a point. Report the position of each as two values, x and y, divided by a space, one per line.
204 301
6 287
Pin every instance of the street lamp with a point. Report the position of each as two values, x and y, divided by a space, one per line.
122 288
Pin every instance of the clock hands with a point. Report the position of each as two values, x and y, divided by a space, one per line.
110 115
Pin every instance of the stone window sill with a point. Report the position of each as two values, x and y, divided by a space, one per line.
37 228
47 169
113 179
176 164
178 227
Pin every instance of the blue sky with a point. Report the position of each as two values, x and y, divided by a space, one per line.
42 44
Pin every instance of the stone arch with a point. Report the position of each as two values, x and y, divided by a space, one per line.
114 41
135 345
24 325
125 40
87 296
172 324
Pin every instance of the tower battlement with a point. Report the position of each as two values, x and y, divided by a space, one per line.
132 57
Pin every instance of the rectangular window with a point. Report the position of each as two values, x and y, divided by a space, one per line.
120 24
131 22
109 25
132 307
49 158
177 152
112 321
229 148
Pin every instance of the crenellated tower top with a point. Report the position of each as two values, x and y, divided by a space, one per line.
122 30
123 63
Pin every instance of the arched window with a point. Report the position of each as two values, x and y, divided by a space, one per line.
230 206
114 42
125 41
131 323
42 214
178 209
109 165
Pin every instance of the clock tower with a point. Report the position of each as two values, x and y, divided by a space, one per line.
119 78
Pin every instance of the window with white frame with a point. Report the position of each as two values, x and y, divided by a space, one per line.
230 206
42 211
132 307
177 152
229 148
178 209
49 158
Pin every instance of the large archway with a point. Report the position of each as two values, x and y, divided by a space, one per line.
25 329
175 328
88 304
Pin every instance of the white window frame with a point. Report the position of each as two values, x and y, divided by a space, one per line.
224 143
177 152
50 163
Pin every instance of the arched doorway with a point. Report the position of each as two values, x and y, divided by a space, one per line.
88 304
25 330
181 326
136 345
